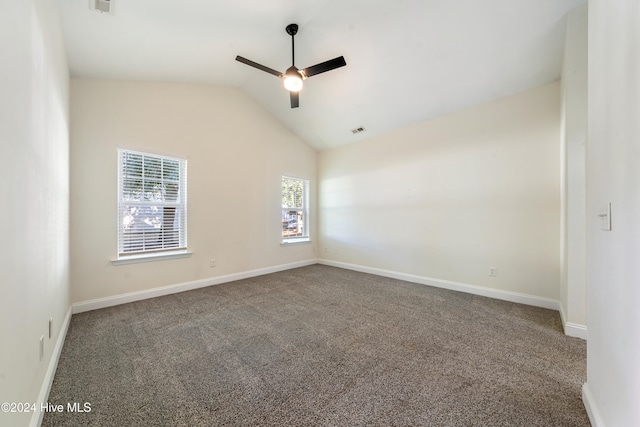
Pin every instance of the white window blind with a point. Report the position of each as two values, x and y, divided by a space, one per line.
295 209
152 204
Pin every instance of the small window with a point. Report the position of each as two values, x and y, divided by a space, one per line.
152 204
295 210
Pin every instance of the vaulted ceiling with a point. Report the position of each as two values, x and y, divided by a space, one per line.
407 60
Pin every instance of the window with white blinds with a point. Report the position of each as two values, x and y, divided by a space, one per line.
152 204
295 209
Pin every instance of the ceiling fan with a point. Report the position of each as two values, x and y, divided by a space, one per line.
293 77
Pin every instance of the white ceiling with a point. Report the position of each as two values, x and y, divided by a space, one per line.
407 60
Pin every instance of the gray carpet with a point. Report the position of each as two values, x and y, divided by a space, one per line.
320 346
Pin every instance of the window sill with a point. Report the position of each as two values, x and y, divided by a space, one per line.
134 259
289 242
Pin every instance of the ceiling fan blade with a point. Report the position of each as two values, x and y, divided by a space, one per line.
295 99
324 66
258 66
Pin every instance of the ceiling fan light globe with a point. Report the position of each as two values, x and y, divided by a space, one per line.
293 83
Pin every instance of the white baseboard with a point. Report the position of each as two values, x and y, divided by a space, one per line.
43 396
589 404
454 286
98 303
575 330
572 329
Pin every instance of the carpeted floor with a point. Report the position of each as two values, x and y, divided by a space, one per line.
320 346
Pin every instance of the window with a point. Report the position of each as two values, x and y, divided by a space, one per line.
152 204
295 210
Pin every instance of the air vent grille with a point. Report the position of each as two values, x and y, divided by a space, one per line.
102 6
358 130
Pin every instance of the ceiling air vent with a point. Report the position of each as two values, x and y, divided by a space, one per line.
102 6
358 130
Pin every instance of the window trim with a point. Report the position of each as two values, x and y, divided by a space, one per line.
305 209
134 259
181 251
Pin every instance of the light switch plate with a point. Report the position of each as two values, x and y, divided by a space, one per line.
605 218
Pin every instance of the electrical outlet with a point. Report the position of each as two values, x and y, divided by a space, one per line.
41 347
493 272
212 263
50 327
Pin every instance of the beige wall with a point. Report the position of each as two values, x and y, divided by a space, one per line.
612 392
450 197
34 212
236 155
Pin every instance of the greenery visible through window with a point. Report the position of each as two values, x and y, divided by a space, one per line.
152 208
295 209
